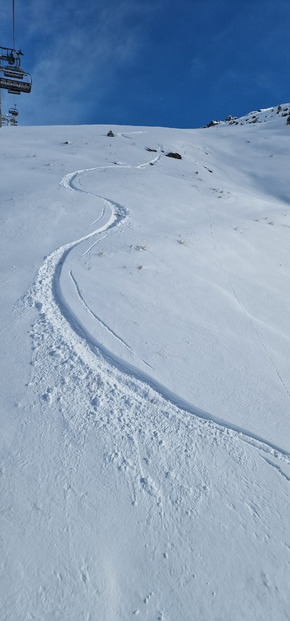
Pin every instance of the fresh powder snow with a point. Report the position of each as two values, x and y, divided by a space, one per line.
145 399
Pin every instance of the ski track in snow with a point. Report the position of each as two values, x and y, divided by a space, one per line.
95 316
94 244
47 297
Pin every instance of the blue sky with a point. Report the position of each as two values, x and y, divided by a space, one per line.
161 62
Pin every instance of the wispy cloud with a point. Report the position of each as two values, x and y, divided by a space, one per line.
75 49
197 67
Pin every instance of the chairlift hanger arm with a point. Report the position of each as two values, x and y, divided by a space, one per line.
11 49
11 56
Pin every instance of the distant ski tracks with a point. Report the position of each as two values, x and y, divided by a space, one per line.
47 297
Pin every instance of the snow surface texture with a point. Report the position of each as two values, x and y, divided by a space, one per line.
145 364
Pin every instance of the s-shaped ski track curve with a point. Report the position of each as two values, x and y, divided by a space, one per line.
47 297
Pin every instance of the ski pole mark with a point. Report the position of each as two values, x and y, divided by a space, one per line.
268 461
96 316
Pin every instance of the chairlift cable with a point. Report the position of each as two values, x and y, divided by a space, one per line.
13 21
13 30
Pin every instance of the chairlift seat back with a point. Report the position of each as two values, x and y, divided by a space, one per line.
9 73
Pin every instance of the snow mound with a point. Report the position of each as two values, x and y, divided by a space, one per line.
279 114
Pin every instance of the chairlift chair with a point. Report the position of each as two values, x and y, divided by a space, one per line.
13 111
15 80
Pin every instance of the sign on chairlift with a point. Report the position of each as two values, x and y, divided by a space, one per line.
15 86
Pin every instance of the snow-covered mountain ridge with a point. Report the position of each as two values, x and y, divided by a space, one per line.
280 115
144 453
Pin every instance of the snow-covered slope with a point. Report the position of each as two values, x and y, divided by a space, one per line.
145 367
